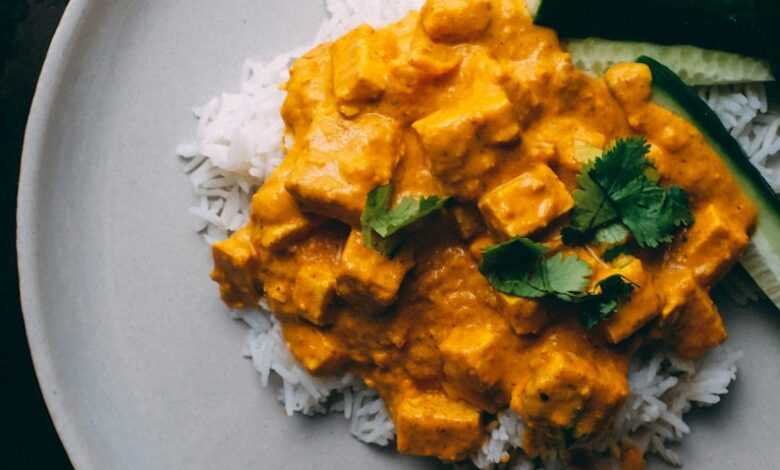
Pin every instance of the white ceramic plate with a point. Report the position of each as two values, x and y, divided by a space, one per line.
140 367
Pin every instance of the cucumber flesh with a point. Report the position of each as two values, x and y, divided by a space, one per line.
694 65
762 259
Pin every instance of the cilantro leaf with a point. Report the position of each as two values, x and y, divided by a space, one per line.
591 208
511 255
407 212
621 165
382 226
621 186
653 214
519 267
612 235
567 276
611 293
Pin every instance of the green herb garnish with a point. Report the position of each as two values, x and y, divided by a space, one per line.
610 293
382 227
521 268
621 187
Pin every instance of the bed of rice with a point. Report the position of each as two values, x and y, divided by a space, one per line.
238 142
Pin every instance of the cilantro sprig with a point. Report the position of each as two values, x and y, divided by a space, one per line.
601 305
620 188
382 227
520 267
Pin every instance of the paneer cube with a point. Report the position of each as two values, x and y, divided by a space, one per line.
342 162
525 316
446 136
570 392
360 65
468 221
460 138
495 112
315 287
319 352
276 214
456 20
698 327
235 270
630 83
431 58
527 203
713 245
558 392
640 309
432 424
472 356
574 387
366 278
310 88
678 287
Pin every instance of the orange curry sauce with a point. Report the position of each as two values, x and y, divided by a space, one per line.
469 99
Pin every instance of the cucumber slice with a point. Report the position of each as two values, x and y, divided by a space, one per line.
747 27
694 65
762 259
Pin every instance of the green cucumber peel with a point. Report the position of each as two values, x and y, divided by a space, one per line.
762 258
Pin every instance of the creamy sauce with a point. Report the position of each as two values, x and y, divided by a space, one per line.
470 99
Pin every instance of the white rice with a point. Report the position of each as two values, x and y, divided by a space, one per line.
238 143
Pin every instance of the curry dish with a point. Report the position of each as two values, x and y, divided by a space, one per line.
468 99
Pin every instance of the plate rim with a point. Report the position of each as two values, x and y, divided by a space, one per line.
47 91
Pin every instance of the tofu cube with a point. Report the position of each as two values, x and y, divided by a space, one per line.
432 424
448 135
570 392
235 270
360 65
630 83
643 305
309 89
472 356
713 245
430 58
342 161
456 20
527 203
494 111
557 392
276 214
318 352
367 279
698 327
315 287
525 316
678 287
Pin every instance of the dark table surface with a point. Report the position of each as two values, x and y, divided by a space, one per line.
26 28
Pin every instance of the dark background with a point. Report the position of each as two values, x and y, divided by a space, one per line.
26 28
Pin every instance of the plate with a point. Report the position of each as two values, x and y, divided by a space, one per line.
138 361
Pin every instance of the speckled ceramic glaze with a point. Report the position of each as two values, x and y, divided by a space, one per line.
139 363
